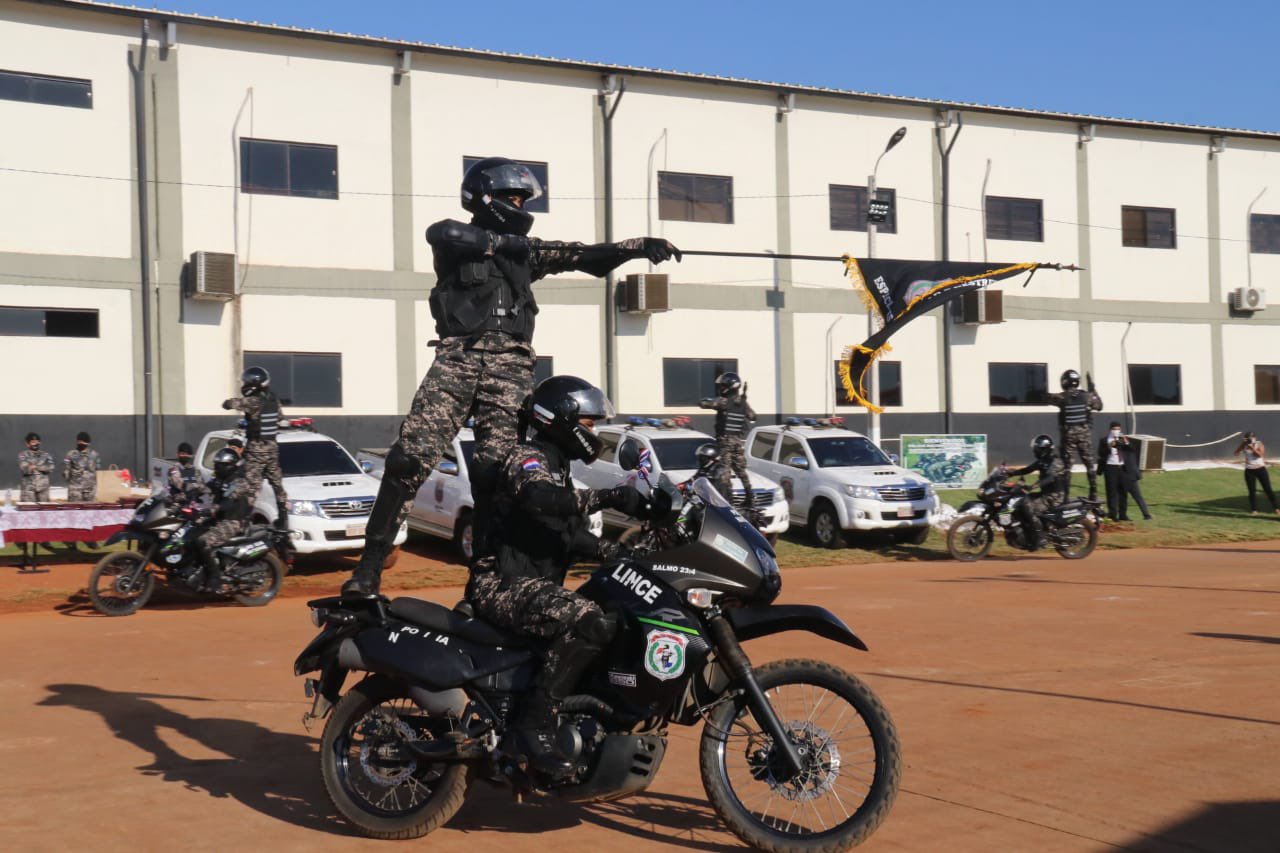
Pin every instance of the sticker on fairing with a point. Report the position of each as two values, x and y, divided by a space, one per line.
727 546
622 679
664 654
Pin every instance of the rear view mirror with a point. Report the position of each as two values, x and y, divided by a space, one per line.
797 462
447 467
366 466
893 457
629 455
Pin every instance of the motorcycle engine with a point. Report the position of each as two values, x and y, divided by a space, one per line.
578 738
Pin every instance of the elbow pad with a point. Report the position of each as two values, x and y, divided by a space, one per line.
460 237
546 499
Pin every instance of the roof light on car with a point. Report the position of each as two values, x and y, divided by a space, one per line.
791 422
682 421
668 423
635 420
836 421
653 422
810 422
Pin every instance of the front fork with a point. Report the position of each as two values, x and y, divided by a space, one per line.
739 669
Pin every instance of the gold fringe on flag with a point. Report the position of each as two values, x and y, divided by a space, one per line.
854 387
854 272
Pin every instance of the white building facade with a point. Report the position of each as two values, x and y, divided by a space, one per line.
318 160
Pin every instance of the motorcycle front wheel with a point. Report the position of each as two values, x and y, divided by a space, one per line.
1076 541
384 790
259 583
120 584
969 539
852 762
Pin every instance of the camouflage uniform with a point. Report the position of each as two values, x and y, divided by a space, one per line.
185 485
1075 423
733 420
261 451
80 470
35 466
232 502
1050 490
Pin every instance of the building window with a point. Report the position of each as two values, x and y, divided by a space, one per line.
43 89
541 204
1015 384
849 209
686 381
543 369
684 197
1264 233
1015 219
302 378
1148 227
889 374
288 168
49 322
1155 384
1266 384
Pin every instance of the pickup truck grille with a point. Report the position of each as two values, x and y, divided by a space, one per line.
760 498
902 493
346 507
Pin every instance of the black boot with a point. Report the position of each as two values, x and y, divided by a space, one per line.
367 577
400 481
212 572
282 517
535 733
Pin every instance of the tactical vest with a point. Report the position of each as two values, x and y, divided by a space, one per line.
1075 409
488 295
190 477
266 426
231 500
732 421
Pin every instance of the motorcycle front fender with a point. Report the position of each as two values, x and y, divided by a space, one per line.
322 646
752 622
120 536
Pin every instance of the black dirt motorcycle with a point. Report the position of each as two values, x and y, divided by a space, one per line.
795 755
1071 527
163 533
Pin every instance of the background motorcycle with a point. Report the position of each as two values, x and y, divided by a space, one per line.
1071 527
164 532
794 755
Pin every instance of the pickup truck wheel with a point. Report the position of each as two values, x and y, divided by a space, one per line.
824 526
463 537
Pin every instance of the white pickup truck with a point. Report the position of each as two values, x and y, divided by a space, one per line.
837 480
330 495
443 506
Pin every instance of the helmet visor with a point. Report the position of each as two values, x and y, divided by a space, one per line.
592 403
513 179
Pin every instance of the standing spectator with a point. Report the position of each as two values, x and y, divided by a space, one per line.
80 470
35 465
1118 464
1255 472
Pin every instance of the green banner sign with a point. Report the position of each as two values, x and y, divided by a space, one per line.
947 461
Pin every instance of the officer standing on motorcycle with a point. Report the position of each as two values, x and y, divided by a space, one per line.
538 530
484 310
733 419
184 481
261 409
1075 425
1050 490
232 503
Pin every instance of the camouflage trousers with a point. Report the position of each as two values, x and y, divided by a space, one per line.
35 489
534 607
732 463
488 382
83 490
1079 437
219 534
262 461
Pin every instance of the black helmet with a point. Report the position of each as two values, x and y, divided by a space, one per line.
225 464
728 384
554 407
485 186
707 455
255 380
1042 446
1070 380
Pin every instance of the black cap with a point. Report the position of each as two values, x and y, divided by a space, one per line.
186 448
32 436
83 436
235 442
1115 424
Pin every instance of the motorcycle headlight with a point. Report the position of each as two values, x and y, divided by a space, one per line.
318 615
303 508
865 492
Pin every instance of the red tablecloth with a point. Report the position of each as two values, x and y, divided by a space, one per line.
62 525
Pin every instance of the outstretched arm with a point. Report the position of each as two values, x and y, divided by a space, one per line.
598 259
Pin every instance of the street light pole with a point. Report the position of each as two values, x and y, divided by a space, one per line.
873 378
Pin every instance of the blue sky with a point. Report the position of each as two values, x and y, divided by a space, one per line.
1175 61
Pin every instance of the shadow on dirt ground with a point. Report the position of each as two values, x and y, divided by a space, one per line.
1243 827
1243 638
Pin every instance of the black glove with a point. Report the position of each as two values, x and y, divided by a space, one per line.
658 250
607 550
626 499
226 404
511 245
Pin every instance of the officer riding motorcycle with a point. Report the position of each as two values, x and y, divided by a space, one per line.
1049 491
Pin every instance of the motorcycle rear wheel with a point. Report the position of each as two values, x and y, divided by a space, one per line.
853 763
367 775
113 588
1084 534
969 539
267 581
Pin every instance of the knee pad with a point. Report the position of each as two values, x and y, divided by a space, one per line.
597 628
401 466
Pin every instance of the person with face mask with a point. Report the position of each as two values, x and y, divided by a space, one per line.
184 481
80 470
261 409
35 466
1255 472
1118 464
484 310
229 516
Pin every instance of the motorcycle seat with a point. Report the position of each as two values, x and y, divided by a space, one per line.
436 617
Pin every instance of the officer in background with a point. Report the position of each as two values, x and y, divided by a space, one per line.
184 481
261 409
35 466
1049 491
484 311
733 419
237 445
232 502
1075 425
80 470
538 530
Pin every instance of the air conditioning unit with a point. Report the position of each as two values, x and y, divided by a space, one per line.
1249 298
979 307
1150 452
645 293
213 275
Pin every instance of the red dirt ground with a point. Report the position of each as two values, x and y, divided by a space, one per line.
1122 702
